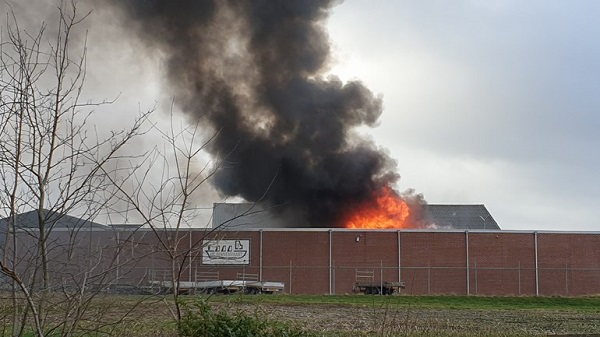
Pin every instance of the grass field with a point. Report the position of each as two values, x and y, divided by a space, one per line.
362 315
580 304
432 315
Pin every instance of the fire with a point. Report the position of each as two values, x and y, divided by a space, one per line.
386 210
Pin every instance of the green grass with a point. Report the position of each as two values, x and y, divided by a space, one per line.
583 304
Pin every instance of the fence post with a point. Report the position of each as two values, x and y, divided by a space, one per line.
537 271
567 278
519 275
467 260
476 280
291 277
260 256
190 255
333 276
399 259
119 248
428 279
380 277
330 265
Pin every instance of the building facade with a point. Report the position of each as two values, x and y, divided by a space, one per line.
328 261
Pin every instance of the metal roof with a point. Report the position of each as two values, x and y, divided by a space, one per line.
438 216
241 216
29 220
460 217
246 215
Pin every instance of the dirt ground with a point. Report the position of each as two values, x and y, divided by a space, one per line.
357 320
151 317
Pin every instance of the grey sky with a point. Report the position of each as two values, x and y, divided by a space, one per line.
486 102
490 102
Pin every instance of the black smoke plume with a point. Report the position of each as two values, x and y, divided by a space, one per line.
252 71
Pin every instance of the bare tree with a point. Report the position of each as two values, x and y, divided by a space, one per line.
162 191
52 163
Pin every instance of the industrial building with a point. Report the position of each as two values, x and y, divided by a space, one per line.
479 259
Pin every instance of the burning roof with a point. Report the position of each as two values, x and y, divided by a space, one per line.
239 216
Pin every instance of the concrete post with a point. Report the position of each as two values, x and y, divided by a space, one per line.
537 272
467 261
330 264
260 257
399 259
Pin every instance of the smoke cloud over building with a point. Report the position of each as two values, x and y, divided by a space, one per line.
253 74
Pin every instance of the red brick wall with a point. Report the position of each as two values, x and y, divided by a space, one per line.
363 251
502 263
429 262
569 264
300 259
433 262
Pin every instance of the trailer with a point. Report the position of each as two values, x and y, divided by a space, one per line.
378 288
366 284
210 283
238 287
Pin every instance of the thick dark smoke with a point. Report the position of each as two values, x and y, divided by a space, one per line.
252 71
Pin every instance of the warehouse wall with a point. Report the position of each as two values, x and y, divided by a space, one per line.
327 261
502 263
569 264
433 262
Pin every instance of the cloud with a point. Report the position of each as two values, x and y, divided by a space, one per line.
501 96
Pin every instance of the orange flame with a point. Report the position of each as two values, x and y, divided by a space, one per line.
387 210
